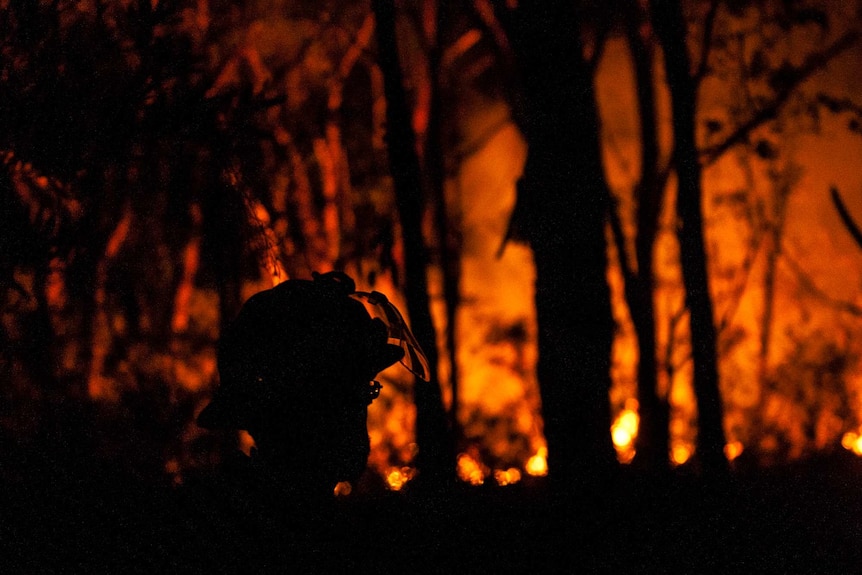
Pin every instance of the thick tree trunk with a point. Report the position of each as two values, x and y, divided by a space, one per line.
435 459
562 203
667 18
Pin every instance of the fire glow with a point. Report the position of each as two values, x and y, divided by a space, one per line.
783 274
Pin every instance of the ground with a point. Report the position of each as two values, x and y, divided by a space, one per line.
802 518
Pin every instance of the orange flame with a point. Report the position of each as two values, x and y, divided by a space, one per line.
537 465
507 477
397 477
733 450
624 431
470 470
680 453
852 441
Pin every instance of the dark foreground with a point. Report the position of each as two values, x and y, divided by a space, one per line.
801 519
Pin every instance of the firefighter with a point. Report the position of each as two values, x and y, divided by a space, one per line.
297 371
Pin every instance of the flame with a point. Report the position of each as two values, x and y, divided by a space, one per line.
507 477
497 401
537 465
397 477
852 441
733 450
624 430
469 470
680 453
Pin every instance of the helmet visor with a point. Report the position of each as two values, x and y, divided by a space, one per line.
378 306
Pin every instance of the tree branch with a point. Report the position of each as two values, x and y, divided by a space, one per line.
789 79
837 105
487 16
846 218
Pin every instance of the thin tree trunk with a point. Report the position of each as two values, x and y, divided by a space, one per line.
653 439
667 18
783 186
435 166
435 460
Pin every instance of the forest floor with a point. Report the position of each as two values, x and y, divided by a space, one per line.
804 518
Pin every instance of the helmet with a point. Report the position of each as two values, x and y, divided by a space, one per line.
305 344
398 333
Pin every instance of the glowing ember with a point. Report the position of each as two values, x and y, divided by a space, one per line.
55 284
469 470
172 468
537 465
245 442
342 489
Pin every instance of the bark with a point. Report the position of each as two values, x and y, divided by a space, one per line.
435 459
562 207
668 21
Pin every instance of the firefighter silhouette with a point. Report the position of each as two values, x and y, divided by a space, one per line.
297 371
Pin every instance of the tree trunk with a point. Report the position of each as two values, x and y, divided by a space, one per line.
562 204
435 460
667 18
446 222
653 440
